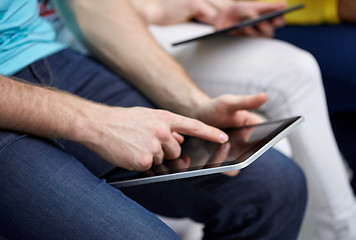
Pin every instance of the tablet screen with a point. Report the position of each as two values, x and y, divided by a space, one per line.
200 157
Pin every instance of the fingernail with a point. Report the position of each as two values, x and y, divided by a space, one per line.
223 137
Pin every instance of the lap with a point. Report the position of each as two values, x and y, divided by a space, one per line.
247 206
48 194
58 189
41 183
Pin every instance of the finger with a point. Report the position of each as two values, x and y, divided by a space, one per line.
179 165
250 31
236 32
221 154
158 157
185 162
178 137
193 127
243 102
160 169
249 118
244 118
231 173
266 29
278 21
171 148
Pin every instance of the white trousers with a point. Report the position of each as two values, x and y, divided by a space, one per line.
291 78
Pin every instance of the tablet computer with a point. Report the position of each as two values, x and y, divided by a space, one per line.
200 157
246 23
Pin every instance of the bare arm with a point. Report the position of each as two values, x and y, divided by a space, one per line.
164 12
115 33
219 13
55 114
45 112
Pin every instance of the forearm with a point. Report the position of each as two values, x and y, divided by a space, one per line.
44 112
115 34
163 12
149 11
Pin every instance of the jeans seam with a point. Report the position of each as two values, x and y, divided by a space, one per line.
39 76
33 69
13 141
50 72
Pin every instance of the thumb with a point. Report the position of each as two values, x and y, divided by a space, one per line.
245 102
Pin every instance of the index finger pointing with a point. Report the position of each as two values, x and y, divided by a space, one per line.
195 128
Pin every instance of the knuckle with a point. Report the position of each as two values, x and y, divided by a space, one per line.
158 161
155 147
164 115
226 99
176 153
145 163
162 133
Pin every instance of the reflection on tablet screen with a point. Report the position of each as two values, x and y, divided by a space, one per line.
201 154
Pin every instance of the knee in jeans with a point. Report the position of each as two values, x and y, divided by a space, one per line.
284 183
273 204
291 188
285 206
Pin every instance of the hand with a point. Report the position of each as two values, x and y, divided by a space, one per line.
225 13
231 111
347 10
219 13
178 165
136 138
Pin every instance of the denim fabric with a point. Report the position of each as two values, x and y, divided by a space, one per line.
48 194
49 190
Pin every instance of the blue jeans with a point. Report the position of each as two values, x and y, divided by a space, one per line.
50 190
334 48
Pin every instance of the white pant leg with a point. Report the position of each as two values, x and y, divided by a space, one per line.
292 80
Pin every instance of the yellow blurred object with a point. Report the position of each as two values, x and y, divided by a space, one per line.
315 12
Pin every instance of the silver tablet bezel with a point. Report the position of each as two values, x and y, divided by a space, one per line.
213 170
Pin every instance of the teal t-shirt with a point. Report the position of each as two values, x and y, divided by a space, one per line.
24 36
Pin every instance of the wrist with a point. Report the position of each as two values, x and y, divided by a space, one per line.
181 94
198 99
85 127
149 11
